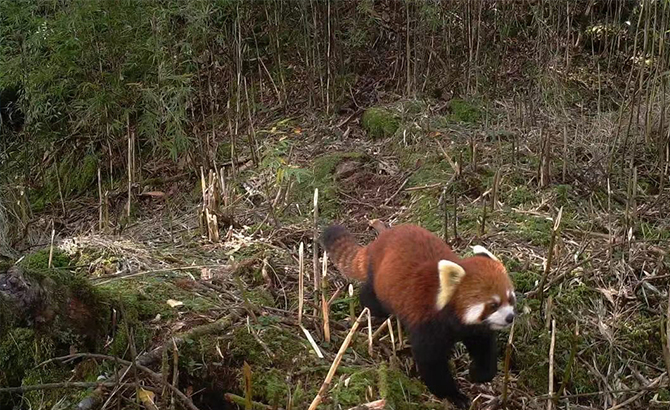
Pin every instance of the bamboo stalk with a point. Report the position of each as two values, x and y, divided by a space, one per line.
51 248
100 226
571 360
312 342
565 154
301 284
496 189
508 357
454 219
333 367
445 202
370 334
315 249
252 135
324 302
246 372
352 315
381 329
60 192
482 227
390 327
130 166
550 256
552 345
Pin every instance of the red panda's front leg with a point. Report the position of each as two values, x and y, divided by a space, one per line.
431 353
483 352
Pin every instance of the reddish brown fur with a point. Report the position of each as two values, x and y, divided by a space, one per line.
349 257
404 263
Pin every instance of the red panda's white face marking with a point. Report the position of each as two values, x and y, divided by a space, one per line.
474 314
493 313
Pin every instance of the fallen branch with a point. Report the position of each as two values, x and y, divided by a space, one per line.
110 278
156 354
69 385
625 403
373 405
156 377
333 367
398 190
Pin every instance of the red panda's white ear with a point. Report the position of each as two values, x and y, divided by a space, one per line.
450 275
480 250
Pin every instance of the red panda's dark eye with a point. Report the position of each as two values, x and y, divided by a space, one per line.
494 305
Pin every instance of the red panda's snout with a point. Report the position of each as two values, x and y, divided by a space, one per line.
496 312
504 313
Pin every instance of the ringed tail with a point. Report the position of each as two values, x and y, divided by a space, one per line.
348 256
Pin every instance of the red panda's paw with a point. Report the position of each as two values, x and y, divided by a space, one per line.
459 401
481 375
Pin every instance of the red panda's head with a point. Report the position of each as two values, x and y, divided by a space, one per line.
478 289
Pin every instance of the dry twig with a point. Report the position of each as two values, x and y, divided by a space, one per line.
333 367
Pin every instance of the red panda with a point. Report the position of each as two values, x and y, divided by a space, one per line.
439 298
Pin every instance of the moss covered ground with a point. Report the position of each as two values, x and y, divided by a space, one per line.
157 281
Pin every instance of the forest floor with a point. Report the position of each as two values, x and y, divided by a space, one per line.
496 176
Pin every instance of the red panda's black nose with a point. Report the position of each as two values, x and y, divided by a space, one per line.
510 318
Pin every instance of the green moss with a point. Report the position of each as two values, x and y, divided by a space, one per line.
563 195
535 230
358 382
146 297
50 399
39 260
143 299
323 171
520 195
325 165
18 353
286 346
80 314
524 281
427 214
223 153
260 297
572 299
464 111
379 122
532 361
270 384
142 337
641 334
414 107
401 391
435 169
664 395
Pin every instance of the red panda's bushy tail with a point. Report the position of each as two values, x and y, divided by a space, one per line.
348 256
